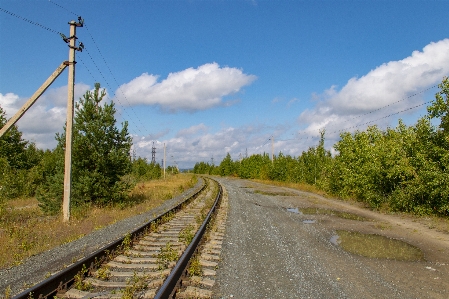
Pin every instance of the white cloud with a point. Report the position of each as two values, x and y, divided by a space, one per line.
45 118
188 90
386 85
193 130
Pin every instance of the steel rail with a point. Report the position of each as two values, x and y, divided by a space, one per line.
65 278
169 286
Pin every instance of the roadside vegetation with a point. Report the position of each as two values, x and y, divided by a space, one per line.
107 184
402 169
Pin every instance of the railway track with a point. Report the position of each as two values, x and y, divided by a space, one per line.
171 256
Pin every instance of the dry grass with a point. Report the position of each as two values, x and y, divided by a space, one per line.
26 231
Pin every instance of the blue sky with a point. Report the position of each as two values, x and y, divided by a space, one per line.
211 77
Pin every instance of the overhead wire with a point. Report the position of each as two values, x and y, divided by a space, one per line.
368 122
386 106
110 71
79 57
30 21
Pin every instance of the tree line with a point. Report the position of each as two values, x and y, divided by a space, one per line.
405 168
103 172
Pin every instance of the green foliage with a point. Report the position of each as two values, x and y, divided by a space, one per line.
167 255
18 158
195 268
227 166
172 169
79 281
100 158
440 107
187 234
145 171
203 168
255 167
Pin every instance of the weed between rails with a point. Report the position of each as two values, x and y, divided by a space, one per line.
103 273
127 242
186 235
167 255
134 284
80 283
26 231
8 293
195 268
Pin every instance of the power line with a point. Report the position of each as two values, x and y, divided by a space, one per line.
61 34
387 116
378 109
401 100
109 69
116 82
60 6
30 21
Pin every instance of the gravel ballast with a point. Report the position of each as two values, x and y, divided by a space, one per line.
36 268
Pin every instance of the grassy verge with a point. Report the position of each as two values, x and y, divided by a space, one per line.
26 231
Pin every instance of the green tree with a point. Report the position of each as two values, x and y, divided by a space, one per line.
12 146
100 157
143 170
227 166
440 107
17 157
203 168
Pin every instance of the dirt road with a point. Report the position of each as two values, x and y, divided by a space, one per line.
283 243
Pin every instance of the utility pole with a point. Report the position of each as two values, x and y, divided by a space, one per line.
272 149
164 161
70 101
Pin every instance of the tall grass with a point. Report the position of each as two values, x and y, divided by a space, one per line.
26 231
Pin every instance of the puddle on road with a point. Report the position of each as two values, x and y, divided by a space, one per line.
293 210
335 239
344 215
377 246
296 211
272 193
309 221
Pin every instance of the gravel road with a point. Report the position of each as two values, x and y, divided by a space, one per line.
269 252
34 269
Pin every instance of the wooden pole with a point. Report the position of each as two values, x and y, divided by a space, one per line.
164 161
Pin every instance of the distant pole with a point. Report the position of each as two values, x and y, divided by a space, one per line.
164 161
69 124
272 149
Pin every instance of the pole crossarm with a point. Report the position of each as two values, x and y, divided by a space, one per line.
12 121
